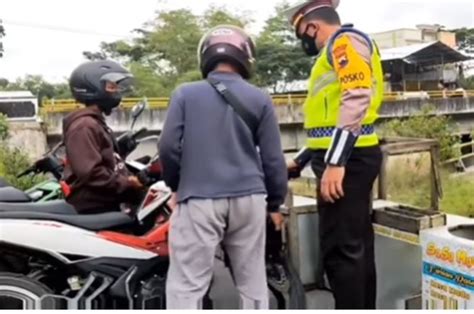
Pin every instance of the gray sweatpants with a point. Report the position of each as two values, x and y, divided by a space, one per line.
197 229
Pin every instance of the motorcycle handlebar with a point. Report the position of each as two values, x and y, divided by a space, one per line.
27 172
139 133
149 138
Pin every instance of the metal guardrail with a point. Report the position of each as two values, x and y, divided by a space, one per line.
461 158
67 105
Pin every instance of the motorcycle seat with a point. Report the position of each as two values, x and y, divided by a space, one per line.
100 222
59 207
11 194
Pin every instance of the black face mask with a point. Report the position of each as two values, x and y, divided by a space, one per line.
309 43
108 104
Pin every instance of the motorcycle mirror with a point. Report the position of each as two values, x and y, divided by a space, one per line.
137 110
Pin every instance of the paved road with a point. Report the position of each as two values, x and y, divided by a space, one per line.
225 295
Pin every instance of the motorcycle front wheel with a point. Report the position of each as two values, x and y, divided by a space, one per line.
18 292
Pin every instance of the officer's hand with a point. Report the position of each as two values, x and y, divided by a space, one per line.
135 183
294 170
278 220
331 184
292 165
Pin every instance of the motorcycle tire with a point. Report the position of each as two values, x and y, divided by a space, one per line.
20 292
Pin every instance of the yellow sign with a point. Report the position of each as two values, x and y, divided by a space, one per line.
445 254
464 259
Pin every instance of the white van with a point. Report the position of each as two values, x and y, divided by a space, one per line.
19 105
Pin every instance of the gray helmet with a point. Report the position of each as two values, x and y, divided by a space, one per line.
88 81
230 44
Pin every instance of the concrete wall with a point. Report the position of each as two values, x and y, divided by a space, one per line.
448 38
451 106
30 137
291 117
119 121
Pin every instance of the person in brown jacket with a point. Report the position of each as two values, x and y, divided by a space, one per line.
96 175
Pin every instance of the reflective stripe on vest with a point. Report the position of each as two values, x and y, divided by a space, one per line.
323 102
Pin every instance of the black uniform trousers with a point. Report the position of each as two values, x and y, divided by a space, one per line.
346 231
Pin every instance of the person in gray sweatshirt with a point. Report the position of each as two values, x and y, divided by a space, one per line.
226 175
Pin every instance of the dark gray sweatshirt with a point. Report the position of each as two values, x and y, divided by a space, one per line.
207 151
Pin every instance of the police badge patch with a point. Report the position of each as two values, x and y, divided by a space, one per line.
340 53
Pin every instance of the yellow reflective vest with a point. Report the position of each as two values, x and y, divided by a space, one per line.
324 98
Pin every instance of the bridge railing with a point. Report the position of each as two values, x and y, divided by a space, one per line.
67 105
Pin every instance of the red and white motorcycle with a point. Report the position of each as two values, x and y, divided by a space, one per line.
57 259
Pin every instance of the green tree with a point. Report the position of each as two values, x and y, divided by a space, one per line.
280 59
465 39
3 127
163 53
62 91
3 83
147 82
219 15
468 82
2 34
38 86
191 76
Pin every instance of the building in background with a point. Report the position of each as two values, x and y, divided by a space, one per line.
422 60
407 36
421 67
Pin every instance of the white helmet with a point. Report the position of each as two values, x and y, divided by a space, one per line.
299 10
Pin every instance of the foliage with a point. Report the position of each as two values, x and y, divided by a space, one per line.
465 39
409 183
163 54
13 161
468 82
409 179
280 59
147 82
3 127
38 86
458 198
164 51
2 33
3 83
219 15
426 125
191 76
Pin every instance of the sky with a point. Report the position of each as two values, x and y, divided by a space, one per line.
48 37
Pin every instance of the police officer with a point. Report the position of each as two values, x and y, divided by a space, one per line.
344 94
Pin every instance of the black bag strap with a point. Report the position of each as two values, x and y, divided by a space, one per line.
230 98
